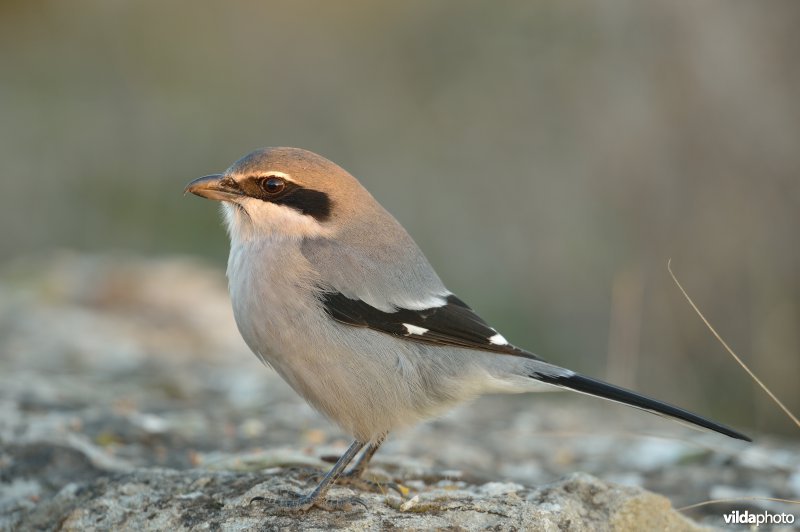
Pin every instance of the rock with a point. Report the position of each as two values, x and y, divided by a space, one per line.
166 499
129 401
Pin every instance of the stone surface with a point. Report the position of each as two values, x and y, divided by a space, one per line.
128 401
163 499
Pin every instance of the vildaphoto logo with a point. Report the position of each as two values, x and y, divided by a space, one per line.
765 518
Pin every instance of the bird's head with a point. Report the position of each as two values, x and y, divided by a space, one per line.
282 192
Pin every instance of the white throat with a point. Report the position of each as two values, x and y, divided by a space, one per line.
253 219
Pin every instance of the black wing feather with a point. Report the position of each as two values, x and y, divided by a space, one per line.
453 324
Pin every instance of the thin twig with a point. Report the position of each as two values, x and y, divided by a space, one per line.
736 499
716 334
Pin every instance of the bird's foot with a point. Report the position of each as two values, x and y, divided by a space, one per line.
297 503
355 480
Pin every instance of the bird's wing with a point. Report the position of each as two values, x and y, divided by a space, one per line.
451 324
455 324
376 262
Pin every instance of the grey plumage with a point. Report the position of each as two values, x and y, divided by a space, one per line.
302 228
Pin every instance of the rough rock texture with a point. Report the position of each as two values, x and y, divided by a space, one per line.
173 500
128 401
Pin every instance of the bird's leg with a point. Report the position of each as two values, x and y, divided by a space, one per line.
302 503
354 477
361 465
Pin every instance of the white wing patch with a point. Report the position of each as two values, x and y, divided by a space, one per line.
420 304
498 339
413 329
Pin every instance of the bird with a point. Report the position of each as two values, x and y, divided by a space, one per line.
329 290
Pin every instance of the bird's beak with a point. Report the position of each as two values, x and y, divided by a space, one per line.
211 187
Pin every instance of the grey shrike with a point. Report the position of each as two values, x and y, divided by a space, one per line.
329 289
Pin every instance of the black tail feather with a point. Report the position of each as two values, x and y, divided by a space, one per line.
601 389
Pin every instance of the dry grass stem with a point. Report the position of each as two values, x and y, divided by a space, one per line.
736 499
727 347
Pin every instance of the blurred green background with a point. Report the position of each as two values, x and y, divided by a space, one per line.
549 157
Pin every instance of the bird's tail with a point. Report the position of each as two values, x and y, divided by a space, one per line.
579 383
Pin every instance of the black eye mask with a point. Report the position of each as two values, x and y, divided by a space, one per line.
284 192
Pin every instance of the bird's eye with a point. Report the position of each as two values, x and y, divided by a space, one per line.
273 185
